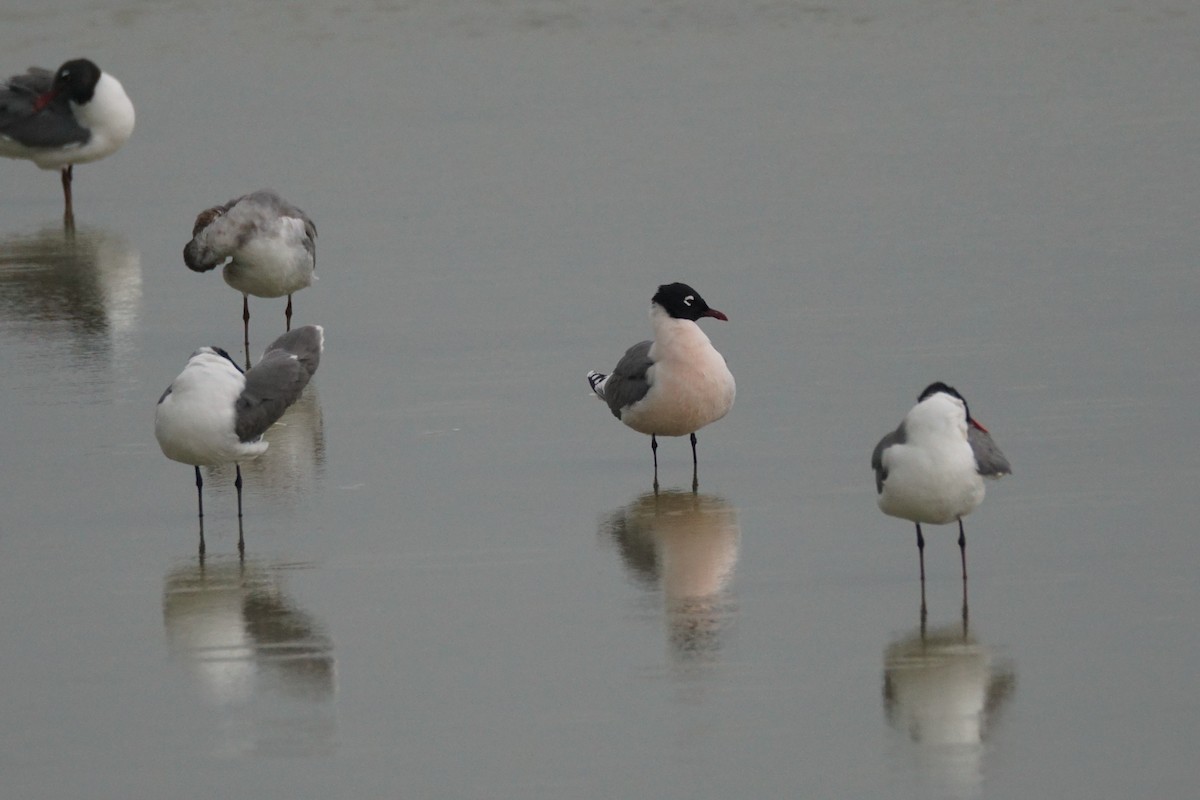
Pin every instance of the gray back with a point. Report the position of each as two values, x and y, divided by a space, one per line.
898 436
989 461
627 384
276 381
20 120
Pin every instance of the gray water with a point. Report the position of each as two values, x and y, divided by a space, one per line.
457 582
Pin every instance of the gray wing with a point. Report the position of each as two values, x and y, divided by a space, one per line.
276 381
898 436
23 122
306 343
989 461
627 384
221 230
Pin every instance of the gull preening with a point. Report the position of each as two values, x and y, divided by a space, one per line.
675 383
931 468
213 413
270 245
76 114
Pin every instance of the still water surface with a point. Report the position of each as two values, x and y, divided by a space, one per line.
458 583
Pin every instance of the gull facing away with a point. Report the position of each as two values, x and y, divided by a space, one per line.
931 468
270 244
213 413
675 383
59 119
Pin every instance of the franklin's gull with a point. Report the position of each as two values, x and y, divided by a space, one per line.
674 384
58 119
213 413
931 468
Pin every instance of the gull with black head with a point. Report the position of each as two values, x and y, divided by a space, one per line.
675 383
213 413
931 468
76 114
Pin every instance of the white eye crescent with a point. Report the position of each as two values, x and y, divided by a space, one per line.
687 301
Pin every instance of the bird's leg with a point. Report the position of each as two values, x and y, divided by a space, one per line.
246 327
238 483
288 314
921 553
924 613
200 500
241 541
964 609
200 491
695 476
654 450
962 549
69 211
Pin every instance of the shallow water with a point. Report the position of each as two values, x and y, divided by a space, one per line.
457 581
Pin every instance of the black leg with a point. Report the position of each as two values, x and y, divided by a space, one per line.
241 541
962 549
288 313
654 450
200 491
246 327
921 552
238 483
695 474
69 210
200 501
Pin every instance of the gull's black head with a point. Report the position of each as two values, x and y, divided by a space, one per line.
77 80
219 351
683 302
941 388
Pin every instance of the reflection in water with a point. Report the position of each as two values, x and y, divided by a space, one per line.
82 291
296 457
944 689
267 665
688 544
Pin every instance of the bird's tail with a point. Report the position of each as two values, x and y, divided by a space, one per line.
597 381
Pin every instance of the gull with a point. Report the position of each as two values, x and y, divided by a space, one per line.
213 413
269 243
931 468
59 119
675 383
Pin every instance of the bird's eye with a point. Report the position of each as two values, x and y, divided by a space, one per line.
687 301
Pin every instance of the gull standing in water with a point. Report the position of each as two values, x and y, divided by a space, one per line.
270 244
931 468
675 383
213 413
59 119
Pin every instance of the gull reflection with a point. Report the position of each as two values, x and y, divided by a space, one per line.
264 663
80 290
944 690
687 544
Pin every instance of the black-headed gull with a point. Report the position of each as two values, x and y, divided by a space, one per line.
931 468
213 413
674 384
58 119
